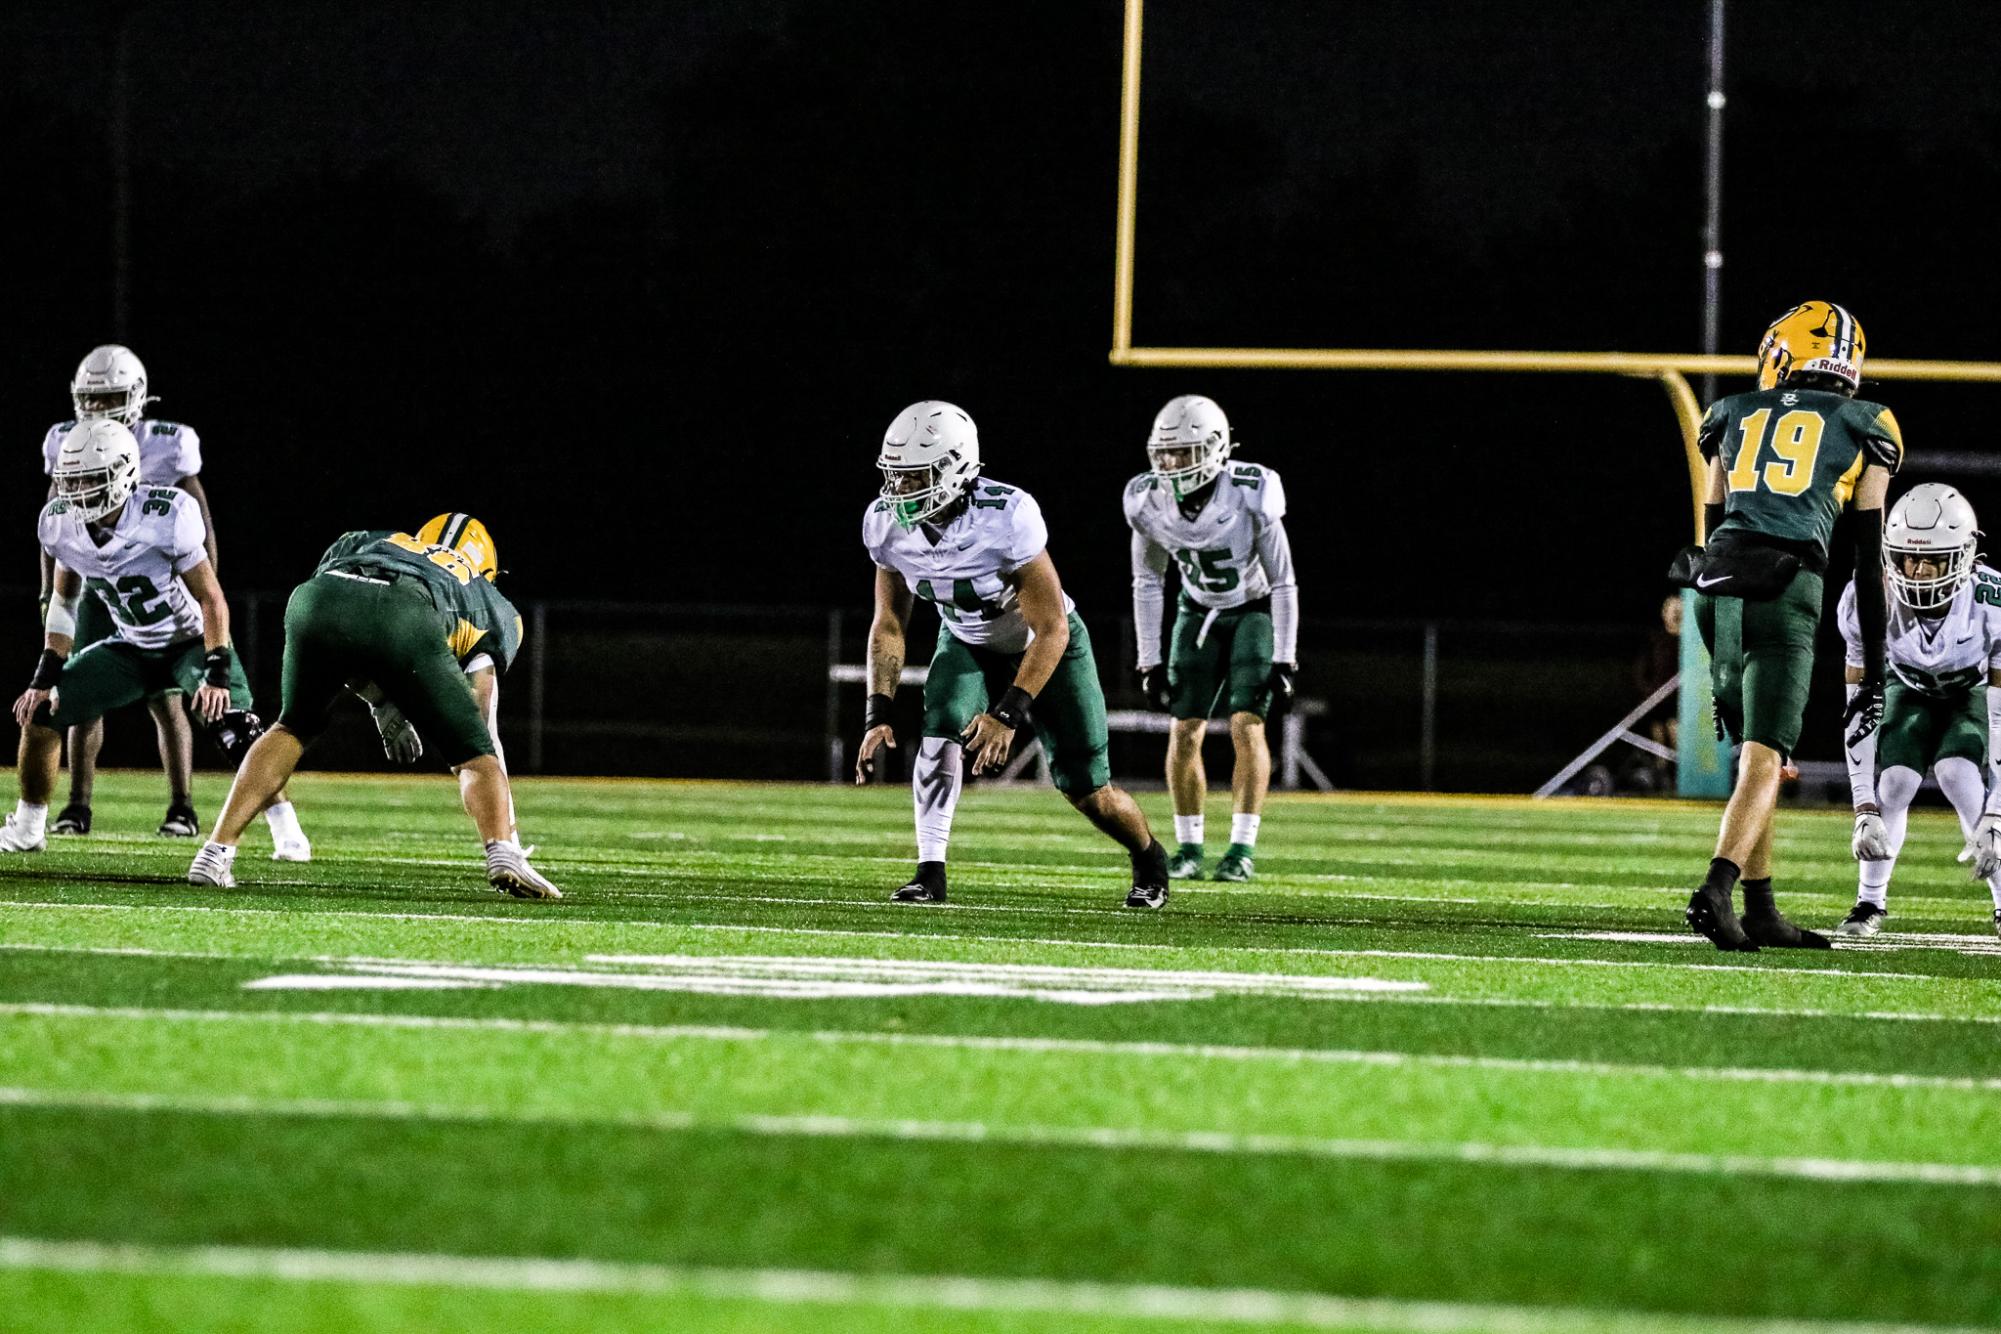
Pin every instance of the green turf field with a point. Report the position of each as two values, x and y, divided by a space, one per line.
1451 1064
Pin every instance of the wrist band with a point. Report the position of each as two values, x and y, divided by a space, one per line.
48 671
875 713
1012 711
215 668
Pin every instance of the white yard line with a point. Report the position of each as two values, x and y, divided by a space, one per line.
1115 1138
1311 951
983 1042
798 1287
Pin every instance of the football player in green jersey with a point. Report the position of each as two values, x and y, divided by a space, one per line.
1785 461
414 625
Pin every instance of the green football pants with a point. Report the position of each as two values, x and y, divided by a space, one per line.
1069 714
1761 660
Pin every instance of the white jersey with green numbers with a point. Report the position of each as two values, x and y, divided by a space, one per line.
1217 548
137 569
1936 655
964 568
168 451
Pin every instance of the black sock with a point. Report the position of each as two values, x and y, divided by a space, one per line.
1758 896
1722 875
1150 862
931 875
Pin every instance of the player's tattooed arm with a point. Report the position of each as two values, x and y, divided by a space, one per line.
193 486
885 667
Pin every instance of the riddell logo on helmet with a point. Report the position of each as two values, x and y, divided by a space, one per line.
1833 365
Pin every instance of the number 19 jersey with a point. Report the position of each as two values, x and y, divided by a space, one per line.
965 572
137 570
1791 458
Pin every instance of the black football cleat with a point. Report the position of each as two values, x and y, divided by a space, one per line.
180 822
1711 914
1150 876
73 820
1864 919
1769 927
927 886
1147 896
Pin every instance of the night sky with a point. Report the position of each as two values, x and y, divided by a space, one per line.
641 285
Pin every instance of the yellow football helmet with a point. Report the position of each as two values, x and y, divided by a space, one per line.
1814 337
465 535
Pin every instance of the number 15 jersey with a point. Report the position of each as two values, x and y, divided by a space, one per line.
965 572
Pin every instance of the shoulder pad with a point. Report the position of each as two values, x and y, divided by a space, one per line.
55 507
161 428
1246 474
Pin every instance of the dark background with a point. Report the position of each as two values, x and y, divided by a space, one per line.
641 285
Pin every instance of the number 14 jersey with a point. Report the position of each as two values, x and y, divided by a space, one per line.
965 568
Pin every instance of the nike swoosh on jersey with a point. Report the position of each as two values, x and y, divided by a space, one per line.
1706 581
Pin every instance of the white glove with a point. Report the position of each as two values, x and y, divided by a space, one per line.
1872 840
400 741
1985 847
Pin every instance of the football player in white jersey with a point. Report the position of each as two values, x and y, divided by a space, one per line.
111 383
1941 708
1235 648
1012 651
140 549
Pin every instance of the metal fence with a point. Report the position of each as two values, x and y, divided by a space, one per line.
745 692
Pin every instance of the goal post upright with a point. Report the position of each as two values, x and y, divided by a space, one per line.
1702 770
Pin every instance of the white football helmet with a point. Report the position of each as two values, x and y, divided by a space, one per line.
1932 523
110 382
97 467
1189 445
930 456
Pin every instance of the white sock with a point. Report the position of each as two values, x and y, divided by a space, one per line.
29 818
935 781
1894 790
1188 830
284 823
1244 829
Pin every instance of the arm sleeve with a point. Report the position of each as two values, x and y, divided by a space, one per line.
187 452
1275 554
1028 535
1850 627
1709 435
1872 610
1861 759
1883 439
1149 596
1993 805
190 533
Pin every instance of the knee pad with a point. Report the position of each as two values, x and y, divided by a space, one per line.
234 733
1896 786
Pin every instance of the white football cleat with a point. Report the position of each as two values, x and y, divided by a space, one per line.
508 871
212 866
16 838
298 849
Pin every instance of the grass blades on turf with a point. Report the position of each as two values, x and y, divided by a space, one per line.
1449 1063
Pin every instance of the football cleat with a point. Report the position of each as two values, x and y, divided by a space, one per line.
508 871
1769 927
15 837
1997 921
180 822
292 849
1236 866
1147 896
1185 863
927 886
211 866
1711 914
73 820
1864 919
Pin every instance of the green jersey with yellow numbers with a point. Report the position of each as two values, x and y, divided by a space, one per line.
479 619
1791 458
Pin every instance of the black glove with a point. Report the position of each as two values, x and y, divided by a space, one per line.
1153 684
1864 713
1282 685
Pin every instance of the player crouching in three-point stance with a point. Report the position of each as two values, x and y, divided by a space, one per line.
414 626
1784 461
141 550
1236 630
1940 708
1010 645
